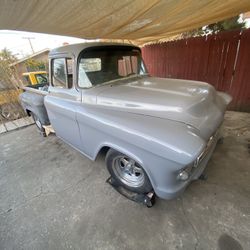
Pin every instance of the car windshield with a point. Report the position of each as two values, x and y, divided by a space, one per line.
26 80
100 65
41 78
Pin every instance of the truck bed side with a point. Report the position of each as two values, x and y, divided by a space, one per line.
32 100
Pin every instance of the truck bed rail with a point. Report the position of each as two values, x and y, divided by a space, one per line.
36 91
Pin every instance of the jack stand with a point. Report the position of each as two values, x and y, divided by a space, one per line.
48 129
146 199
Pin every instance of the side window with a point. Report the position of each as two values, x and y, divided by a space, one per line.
62 72
90 65
127 65
59 73
26 80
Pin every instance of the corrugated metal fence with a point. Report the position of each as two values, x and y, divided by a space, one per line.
222 60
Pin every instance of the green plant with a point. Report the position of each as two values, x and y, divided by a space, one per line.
34 65
228 24
7 73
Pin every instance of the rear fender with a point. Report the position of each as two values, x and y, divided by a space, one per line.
35 103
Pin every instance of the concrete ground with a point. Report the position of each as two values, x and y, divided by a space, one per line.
52 197
16 124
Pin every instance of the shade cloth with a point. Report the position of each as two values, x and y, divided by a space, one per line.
140 20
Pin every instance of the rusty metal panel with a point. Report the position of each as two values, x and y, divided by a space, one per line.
220 60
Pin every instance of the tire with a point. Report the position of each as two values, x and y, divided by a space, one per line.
127 172
38 124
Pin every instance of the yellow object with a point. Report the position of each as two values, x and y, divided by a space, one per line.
30 78
33 78
137 20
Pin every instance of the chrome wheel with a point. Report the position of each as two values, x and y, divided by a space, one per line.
38 123
128 171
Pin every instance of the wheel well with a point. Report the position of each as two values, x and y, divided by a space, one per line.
28 112
102 152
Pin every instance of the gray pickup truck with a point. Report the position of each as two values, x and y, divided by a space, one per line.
158 133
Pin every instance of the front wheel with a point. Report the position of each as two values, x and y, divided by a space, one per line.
127 172
38 124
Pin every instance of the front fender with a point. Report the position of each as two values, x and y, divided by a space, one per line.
170 140
161 146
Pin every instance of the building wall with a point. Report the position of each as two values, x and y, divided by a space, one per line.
21 67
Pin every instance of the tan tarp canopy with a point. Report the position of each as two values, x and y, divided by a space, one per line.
141 20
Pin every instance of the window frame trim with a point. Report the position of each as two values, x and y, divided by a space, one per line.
64 57
80 55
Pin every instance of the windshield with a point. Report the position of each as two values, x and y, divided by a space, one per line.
41 78
26 80
100 65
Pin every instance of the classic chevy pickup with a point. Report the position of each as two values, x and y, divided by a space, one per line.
158 133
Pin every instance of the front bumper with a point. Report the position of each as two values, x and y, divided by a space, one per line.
202 160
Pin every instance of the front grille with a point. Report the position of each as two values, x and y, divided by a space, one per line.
206 149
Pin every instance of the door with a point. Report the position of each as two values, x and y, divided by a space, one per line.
62 101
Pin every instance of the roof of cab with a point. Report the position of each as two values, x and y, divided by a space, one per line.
75 49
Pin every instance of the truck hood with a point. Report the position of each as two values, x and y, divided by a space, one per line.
194 103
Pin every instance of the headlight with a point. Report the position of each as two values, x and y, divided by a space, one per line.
183 175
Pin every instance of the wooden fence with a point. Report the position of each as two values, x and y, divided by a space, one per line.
222 60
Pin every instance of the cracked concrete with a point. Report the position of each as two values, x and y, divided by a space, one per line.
16 124
52 197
